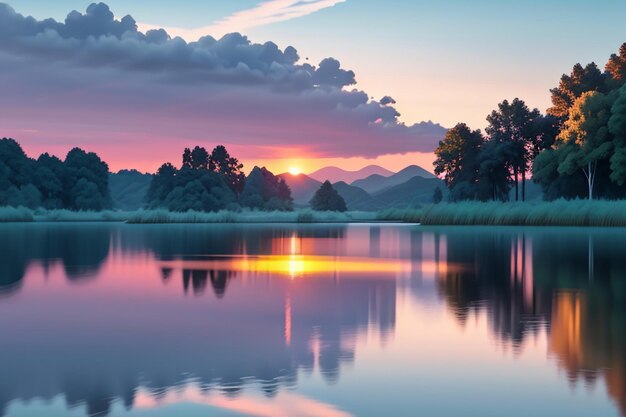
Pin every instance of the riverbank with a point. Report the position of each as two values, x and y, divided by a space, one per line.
556 213
22 215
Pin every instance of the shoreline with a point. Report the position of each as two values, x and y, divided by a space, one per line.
562 213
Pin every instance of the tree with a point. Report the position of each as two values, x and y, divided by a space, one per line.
616 68
515 125
163 182
585 138
80 165
494 172
265 191
437 195
617 127
571 87
328 199
458 160
221 162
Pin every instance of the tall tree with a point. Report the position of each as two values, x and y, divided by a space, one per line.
617 127
86 180
581 80
585 139
616 68
224 164
458 160
515 125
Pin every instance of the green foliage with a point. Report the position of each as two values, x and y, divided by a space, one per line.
215 182
458 160
571 87
80 182
516 135
265 191
229 167
616 68
328 199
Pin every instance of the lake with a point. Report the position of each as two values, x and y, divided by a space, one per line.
311 320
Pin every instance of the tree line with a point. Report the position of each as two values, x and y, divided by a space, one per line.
576 150
79 182
215 181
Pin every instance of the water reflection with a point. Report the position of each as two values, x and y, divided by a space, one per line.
286 303
569 283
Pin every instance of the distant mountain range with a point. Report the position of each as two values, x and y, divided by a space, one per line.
375 183
335 174
411 186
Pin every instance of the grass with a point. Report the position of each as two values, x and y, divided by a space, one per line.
406 215
556 213
15 215
22 214
249 216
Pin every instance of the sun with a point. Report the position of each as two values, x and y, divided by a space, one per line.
295 171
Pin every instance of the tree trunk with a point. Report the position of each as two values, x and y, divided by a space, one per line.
523 185
590 174
515 173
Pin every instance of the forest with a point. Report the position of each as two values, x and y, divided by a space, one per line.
205 182
576 150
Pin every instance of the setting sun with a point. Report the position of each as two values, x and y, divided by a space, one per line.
295 171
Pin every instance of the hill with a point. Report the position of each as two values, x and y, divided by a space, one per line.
128 189
358 199
376 183
335 174
418 190
302 187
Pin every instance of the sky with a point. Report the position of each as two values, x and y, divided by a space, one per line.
138 102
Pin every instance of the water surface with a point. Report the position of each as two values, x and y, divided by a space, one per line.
359 320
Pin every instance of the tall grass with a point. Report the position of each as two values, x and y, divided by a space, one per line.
555 213
406 215
81 216
248 216
15 215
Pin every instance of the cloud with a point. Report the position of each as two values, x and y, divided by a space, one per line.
99 82
265 13
385 101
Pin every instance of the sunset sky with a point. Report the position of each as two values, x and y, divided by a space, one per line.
138 101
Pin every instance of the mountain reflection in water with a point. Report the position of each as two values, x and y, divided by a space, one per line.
105 315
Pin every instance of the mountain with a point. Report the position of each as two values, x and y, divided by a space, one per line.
376 183
302 187
128 189
335 174
358 199
418 190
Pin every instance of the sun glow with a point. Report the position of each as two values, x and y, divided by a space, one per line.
295 171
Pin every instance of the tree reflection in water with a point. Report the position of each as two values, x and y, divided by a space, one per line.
289 300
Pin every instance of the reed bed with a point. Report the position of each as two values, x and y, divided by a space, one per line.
556 213
249 216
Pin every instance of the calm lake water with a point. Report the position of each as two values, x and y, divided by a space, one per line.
338 321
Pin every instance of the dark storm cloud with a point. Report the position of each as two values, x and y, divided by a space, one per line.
106 66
